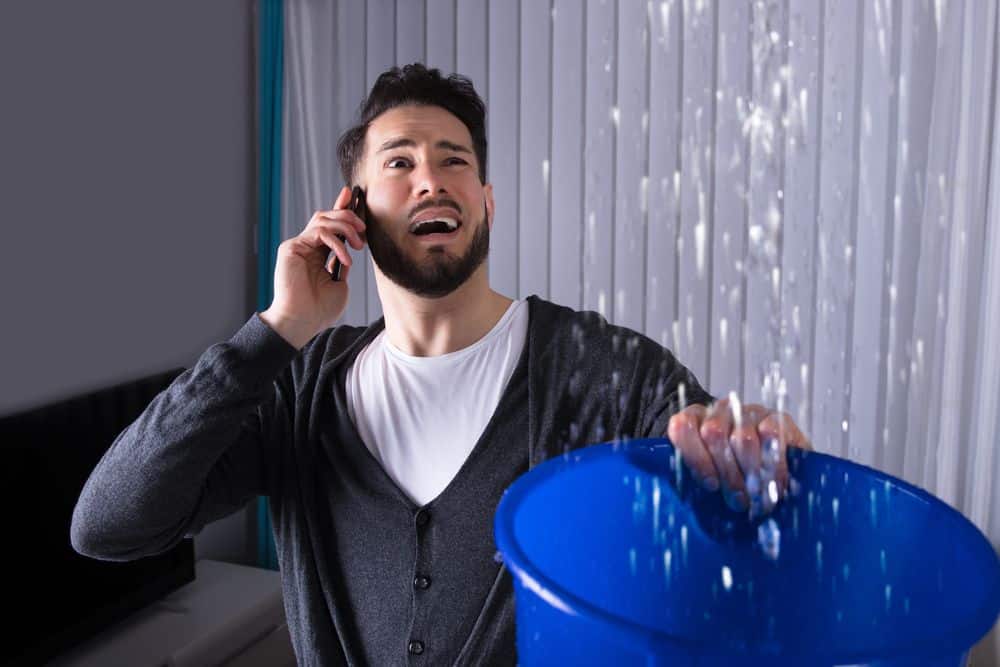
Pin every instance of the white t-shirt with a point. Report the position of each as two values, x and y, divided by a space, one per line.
421 417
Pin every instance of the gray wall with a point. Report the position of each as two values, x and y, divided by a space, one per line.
128 196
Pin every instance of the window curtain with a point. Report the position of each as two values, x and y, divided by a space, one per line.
270 57
799 197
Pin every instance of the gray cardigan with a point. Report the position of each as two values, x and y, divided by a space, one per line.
368 577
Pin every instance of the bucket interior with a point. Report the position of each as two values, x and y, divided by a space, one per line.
867 566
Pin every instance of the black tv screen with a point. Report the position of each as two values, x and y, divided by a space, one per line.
56 598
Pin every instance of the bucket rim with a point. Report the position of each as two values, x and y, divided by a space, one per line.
958 638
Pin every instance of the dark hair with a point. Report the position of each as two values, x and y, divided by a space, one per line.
415 84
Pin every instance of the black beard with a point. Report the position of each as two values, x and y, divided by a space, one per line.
440 275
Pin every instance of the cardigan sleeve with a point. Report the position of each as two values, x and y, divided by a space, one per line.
201 450
668 387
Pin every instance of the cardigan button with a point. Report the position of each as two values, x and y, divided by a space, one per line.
423 516
416 647
421 582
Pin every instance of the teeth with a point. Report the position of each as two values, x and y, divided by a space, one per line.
451 222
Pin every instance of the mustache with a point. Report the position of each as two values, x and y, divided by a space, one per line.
438 203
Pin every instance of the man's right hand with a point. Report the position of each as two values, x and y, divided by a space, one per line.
306 298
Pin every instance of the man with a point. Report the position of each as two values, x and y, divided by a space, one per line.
384 450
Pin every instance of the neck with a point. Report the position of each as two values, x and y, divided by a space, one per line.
425 327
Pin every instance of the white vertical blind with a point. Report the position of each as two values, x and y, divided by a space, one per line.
663 193
730 203
800 196
793 195
565 260
533 230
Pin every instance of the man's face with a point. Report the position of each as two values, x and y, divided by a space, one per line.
419 165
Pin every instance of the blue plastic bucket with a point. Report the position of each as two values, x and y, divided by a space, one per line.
620 558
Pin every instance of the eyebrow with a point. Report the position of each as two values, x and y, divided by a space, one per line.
444 143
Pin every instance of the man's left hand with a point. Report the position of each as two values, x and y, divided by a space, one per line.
740 449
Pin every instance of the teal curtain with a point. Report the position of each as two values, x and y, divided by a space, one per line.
270 26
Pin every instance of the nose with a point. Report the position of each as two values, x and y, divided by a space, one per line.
428 180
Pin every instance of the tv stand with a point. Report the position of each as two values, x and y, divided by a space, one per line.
229 615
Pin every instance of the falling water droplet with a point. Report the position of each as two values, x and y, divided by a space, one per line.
656 506
769 539
665 17
737 409
727 578
772 492
700 232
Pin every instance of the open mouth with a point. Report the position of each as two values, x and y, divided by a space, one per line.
442 227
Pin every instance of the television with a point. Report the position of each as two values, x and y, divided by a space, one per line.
56 598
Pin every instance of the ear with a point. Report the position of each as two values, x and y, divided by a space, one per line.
490 206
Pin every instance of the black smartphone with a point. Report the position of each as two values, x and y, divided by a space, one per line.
361 210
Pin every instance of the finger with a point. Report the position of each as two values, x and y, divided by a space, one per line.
341 215
716 432
343 198
341 229
683 430
343 203
313 252
782 430
345 271
324 239
745 440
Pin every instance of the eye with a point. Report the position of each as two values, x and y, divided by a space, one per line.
396 159
456 160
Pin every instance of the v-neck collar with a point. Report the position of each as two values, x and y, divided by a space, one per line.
365 457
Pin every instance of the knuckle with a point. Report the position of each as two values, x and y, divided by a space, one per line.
686 422
712 430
